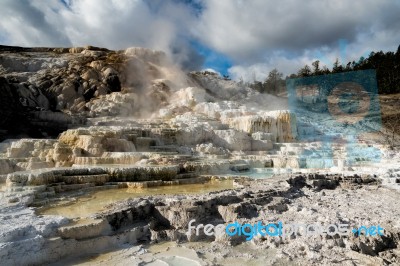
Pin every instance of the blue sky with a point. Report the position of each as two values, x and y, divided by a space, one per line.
236 37
212 59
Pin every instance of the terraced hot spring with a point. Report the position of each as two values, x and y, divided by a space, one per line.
94 202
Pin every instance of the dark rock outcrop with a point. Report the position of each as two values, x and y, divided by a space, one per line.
24 115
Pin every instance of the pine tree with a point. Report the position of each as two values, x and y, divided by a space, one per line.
337 67
305 71
316 69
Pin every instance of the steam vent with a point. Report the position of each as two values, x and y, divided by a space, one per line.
106 156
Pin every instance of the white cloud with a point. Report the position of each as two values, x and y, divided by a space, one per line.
30 23
260 35
246 30
115 24
257 35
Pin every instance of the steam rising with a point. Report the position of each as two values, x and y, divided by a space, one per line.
153 77
161 87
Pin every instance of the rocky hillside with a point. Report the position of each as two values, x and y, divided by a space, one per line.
44 91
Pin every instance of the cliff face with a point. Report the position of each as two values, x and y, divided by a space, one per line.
59 72
25 111
43 91
12 112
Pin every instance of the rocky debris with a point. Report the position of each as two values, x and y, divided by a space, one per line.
238 204
166 218
319 182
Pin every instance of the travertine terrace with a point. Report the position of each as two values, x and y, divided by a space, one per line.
85 119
